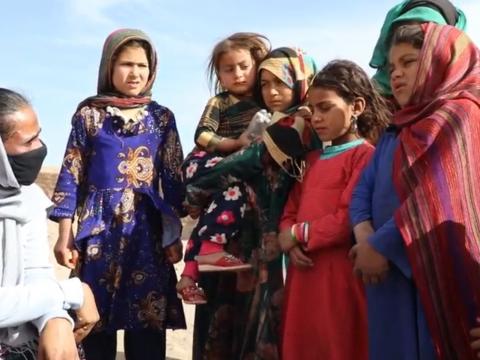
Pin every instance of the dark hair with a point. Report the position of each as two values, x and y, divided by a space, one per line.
349 81
135 43
409 34
258 46
10 102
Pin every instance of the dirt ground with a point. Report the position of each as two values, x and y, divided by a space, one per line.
179 342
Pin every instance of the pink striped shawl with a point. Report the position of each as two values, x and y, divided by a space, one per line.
437 177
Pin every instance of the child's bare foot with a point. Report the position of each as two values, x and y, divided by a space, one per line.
221 261
189 292
184 282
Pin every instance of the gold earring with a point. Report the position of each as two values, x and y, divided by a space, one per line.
353 124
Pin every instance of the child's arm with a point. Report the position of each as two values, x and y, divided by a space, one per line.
170 166
68 188
206 136
386 241
228 146
289 218
333 229
287 243
360 209
244 165
64 250
475 343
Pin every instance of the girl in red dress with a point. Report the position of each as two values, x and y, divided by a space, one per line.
324 314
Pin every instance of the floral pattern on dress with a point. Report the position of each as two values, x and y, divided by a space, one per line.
124 218
151 310
232 193
136 167
73 161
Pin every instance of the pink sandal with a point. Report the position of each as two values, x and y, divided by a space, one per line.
227 262
192 295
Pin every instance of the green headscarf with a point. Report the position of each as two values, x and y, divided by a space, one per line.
395 15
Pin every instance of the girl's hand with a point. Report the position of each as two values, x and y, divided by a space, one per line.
64 249
87 315
173 253
286 242
368 263
57 341
65 253
271 245
244 140
475 344
304 112
299 259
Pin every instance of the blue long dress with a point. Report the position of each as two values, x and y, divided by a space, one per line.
397 328
122 180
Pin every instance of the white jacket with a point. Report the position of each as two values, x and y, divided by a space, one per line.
34 295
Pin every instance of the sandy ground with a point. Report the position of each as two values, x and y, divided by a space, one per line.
179 342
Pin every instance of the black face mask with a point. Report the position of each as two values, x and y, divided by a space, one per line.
26 166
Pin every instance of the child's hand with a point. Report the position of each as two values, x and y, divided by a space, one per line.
475 344
304 112
369 263
271 245
65 252
299 259
285 240
173 253
244 140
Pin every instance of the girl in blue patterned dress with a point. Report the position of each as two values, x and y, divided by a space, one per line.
121 177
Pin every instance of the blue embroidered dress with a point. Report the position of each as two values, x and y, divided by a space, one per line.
122 179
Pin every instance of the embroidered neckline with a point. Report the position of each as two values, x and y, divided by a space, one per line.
129 121
334 150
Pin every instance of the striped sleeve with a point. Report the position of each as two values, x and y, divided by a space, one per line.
206 135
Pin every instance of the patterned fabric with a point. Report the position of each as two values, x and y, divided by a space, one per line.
125 187
106 93
25 352
224 116
285 139
242 317
422 11
221 220
294 67
436 169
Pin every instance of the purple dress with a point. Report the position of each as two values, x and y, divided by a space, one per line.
122 179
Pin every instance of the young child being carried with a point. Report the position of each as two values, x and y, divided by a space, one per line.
221 131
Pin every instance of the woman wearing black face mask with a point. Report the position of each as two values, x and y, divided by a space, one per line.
34 323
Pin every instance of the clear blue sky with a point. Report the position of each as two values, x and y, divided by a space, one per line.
51 48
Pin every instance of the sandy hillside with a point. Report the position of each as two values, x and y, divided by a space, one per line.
179 343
